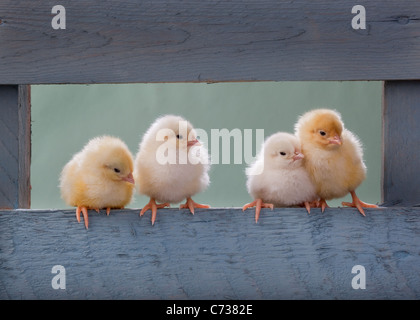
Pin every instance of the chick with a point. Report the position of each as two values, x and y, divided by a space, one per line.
333 156
171 165
99 176
277 177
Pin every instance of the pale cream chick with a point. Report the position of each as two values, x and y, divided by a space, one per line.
333 156
99 176
277 177
171 165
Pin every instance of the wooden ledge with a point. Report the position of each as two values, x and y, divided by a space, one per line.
204 41
218 253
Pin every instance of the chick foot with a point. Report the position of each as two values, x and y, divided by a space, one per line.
323 204
108 210
190 204
85 215
153 206
308 206
359 204
258 204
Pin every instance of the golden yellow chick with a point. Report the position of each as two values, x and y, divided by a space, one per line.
99 176
333 156
171 165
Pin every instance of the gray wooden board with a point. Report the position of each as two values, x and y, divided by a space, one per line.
9 147
15 146
401 139
24 148
218 253
197 41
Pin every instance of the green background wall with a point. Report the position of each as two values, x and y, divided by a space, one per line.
65 117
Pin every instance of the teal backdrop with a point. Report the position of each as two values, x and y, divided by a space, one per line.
65 117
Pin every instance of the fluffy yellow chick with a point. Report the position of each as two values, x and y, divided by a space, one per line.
171 165
99 176
333 156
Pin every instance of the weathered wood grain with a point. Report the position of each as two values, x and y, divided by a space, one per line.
203 40
218 253
15 146
401 139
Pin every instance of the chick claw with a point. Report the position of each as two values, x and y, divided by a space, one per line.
108 210
258 204
190 204
152 205
323 204
359 204
307 206
85 215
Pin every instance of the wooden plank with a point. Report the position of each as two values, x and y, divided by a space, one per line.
24 136
15 146
218 253
401 138
197 41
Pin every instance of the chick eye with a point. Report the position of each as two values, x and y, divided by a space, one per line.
282 153
117 170
322 133
178 136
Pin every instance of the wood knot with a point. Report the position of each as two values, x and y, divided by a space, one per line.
403 19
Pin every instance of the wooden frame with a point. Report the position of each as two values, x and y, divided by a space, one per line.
15 146
204 41
401 136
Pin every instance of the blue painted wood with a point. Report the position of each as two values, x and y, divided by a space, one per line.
218 253
401 139
15 131
107 41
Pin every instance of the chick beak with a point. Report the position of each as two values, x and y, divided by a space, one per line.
129 178
298 156
194 142
335 140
